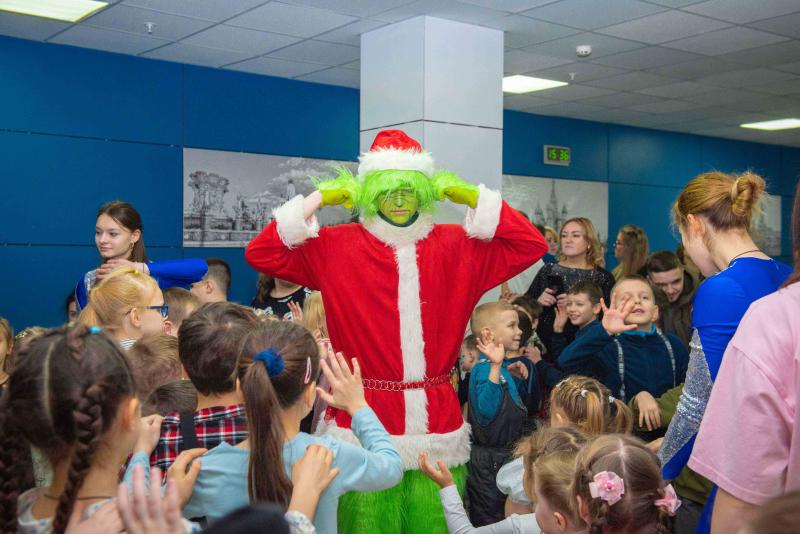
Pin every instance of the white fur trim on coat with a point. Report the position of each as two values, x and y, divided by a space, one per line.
393 159
481 222
412 342
395 236
452 448
292 227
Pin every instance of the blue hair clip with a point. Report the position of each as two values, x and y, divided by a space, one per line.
272 361
95 330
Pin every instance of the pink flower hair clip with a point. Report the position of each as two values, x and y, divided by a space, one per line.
607 486
670 501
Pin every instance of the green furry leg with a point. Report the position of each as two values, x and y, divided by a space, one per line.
410 507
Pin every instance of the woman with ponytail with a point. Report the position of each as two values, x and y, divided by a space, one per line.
714 214
279 388
118 235
71 396
617 488
127 304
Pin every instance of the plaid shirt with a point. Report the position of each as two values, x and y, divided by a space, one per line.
212 425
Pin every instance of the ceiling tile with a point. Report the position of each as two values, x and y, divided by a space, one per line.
632 81
678 90
696 68
447 9
334 76
132 20
691 126
567 109
524 31
109 40
616 115
785 106
735 118
743 78
710 113
788 25
357 8
276 67
227 37
318 52
773 54
525 102
196 55
26 27
602 45
622 100
665 106
583 70
786 87
675 3
212 10
512 6
354 65
646 58
663 27
789 67
574 92
350 34
293 20
519 62
725 41
742 11
720 96
592 14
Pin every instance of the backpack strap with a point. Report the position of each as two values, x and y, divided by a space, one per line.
621 369
188 433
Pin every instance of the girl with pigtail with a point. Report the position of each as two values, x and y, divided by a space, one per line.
618 488
71 395
279 367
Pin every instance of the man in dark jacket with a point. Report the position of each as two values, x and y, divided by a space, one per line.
666 272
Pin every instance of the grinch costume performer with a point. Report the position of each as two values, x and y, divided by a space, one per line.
398 293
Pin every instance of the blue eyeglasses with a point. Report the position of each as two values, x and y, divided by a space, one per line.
163 310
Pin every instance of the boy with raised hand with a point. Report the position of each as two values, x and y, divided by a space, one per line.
626 352
496 411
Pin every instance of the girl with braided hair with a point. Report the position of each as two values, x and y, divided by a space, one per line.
71 395
617 488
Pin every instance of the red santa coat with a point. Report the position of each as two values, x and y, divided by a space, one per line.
398 299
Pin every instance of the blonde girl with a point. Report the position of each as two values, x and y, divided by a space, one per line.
588 404
631 250
127 304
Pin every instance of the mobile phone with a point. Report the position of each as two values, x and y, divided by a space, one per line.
556 283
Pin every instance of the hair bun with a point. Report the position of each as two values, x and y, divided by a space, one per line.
746 191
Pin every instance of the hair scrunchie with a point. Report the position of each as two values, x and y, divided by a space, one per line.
272 361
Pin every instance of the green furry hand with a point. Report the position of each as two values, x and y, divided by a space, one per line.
461 195
336 197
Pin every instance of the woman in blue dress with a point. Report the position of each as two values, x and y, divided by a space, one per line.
713 214
119 239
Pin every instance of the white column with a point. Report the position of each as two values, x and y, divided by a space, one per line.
441 82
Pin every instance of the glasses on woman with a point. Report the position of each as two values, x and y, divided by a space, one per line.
163 310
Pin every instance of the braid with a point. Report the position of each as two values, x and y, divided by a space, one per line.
664 522
88 425
9 474
600 517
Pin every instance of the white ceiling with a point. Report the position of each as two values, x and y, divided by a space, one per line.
698 66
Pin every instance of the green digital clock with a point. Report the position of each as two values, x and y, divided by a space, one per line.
557 155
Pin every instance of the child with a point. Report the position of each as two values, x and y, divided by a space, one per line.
177 396
528 389
181 303
154 361
314 315
72 397
208 347
618 488
576 401
279 389
128 305
215 283
582 308
627 352
496 411
534 451
467 359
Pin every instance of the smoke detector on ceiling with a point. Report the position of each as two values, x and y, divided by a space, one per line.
583 50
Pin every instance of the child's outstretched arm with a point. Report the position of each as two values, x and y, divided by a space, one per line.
485 391
377 465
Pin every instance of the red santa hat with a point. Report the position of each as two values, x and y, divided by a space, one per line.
394 150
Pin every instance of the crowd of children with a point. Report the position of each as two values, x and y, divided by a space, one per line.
160 408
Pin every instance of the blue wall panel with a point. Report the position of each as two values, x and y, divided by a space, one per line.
249 113
790 169
523 137
640 156
76 91
60 182
737 156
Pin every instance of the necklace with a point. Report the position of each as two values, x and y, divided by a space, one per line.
742 254
87 498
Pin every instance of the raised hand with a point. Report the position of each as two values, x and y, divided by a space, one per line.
494 351
149 514
336 197
297 311
439 474
561 319
347 390
547 298
149 433
614 317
